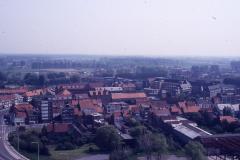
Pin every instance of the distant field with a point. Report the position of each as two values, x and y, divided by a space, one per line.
58 70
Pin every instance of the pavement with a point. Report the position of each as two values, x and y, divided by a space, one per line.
95 157
7 152
165 157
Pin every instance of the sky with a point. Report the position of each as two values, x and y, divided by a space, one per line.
121 27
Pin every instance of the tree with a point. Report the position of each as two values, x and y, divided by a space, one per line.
107 138
195 150
145 144
3 77
138 131
41 80
74 78
159 145
78 106
30 79
120 154
227 111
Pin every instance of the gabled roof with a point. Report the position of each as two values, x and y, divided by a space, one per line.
21 114
36 92
23 107
20 90
229 119
128 95
191 109
91 104
58 127
64 93
7 97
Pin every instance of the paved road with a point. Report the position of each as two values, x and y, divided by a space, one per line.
4 151
95 157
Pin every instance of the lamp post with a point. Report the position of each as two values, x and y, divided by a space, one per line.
18 140
38 147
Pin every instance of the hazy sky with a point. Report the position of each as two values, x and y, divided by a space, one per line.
124 27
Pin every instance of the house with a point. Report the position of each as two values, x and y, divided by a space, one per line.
20 118
229 119
34 93
175 110
235 108
109 89
6 101
145 111
205 103
128 87
62 95
128 97
230 98
114 107
94 119
151 91
67 114
214 90
59 128
206 89
20 91
189 107
185 87
46 110
23 107
88 106
22 112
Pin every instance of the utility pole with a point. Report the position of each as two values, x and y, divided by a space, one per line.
18 138
37 146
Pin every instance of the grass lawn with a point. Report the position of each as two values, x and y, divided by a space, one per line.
64 155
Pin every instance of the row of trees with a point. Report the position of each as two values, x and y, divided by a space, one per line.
25 141
212 122
51 78
151 144
37 80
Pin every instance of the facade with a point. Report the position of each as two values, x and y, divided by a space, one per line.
116 107
214 90
67 114
46 110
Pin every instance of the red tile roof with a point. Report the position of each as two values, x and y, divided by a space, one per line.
23 107
20 90
128 95
7 97
58 127
191 109
36 92
92 104
21 114
229 119
175 109
64 93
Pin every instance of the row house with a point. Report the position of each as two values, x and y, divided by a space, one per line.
22 113
88 106
131 98
20 90
113 107
6 101
234 108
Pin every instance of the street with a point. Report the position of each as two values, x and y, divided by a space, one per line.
5 151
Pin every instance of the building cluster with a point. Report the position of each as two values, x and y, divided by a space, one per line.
111 100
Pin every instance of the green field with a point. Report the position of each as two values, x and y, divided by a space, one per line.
64 155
